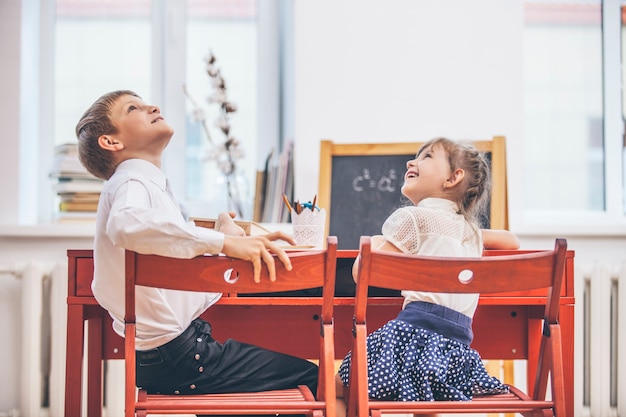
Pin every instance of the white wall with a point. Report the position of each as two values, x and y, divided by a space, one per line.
385 71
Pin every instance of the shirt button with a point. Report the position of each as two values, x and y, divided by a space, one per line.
199 339
192 386
201 369
197 356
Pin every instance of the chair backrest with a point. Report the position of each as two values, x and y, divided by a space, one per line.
525 273
218 273
362 181
483 275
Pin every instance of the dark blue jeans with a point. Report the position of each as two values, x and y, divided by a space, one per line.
195 363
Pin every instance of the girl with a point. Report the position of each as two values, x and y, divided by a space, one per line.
449 184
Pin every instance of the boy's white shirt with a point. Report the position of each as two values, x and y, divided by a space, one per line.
137 211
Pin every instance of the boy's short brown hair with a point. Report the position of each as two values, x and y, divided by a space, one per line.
95 122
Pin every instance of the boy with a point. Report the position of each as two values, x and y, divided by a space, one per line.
121 139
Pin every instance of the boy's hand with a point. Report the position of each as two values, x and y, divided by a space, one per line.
226 225
257 249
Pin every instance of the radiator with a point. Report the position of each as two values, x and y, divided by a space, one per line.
600 340
40 320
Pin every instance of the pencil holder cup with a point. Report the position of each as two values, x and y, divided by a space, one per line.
308 227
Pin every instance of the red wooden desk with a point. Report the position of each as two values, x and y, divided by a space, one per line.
506 326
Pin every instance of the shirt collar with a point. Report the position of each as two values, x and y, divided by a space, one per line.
146 169
439 203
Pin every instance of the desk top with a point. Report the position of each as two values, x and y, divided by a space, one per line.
80 265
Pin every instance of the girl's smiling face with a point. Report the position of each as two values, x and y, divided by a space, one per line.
427 174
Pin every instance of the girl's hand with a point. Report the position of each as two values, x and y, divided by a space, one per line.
500 239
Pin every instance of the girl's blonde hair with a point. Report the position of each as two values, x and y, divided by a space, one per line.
472 194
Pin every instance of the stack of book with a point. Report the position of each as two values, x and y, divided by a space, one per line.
78 191
272 183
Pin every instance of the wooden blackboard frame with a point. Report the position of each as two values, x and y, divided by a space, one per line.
496 147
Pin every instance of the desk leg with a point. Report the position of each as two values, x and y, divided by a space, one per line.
94 366
535 327
74 360
566 318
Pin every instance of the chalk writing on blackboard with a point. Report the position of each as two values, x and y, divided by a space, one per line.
385 183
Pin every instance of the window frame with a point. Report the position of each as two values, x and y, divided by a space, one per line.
611 221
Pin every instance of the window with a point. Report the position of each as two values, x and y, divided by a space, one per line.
155 49
573 122
229 33
99 46
563 106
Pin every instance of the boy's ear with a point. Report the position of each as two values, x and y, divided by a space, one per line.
456 177
110 143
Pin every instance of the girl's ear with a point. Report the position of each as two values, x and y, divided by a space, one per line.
110 143
456 177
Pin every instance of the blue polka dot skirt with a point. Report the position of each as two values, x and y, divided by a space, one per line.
406 363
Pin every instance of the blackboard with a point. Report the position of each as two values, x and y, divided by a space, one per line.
360 186
364 195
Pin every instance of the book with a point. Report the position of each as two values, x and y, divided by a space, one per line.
75 216
66 163
274 181
78 206
251 228
257 211
80 197
78 186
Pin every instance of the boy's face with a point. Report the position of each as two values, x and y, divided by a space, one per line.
141 130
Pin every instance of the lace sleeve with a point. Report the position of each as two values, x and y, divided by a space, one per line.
402 229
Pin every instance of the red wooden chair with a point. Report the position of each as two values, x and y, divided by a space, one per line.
311 269
489 274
